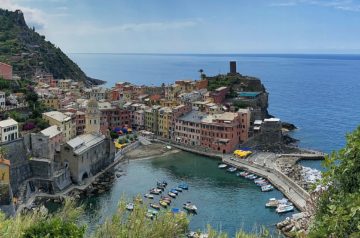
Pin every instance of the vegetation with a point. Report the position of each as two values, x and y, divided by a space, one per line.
27 51
122 224
338 209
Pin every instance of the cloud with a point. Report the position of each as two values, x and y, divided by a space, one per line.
345 5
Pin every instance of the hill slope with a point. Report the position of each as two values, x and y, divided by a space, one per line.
28 51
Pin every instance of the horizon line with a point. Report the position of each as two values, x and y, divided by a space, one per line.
273 53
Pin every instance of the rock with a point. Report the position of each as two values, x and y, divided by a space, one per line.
288 126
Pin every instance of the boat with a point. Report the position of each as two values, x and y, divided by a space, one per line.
222 166
155 206
251 176
166 200
244 174
173 195
267 188
259 180
282 208
231 169
130 206
149 196
190 207
152 211
138 200
163 203
162 184
149 215
272 203
238 174
155 191
183 186
178 189
174 191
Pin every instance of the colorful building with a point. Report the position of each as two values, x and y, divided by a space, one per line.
188 128
63 121
165 122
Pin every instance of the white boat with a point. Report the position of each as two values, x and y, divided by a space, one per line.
190 207
282 208
266 188
149 196
222 166
168 147
231 169
272 203
130 206
155 191
173 195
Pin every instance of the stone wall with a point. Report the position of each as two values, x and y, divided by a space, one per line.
41 168
20 168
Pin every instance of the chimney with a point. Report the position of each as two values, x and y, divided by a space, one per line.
233 67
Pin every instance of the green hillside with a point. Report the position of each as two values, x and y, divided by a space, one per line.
28 51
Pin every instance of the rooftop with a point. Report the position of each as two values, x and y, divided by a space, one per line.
84 142
220 89
272 120
193 116
51 131
8 122
248 94
58 116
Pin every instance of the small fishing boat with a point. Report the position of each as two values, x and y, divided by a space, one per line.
238 174
154 212
282 208
174 191
173 195
130 206
231 169
184 186
149 196
149 215
222 166
166 198
259 180
155 206
190 207
244 174
138 200
272 203
267 188
163 203
251 176
155 191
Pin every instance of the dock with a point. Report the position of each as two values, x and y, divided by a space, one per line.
296 194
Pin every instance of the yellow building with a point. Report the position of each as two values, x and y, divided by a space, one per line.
52 102
151 119
169 103
64 122
64 84
164 122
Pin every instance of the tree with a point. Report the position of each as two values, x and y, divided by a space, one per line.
338 208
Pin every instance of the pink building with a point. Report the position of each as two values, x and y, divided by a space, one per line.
245 124
6 71
221 132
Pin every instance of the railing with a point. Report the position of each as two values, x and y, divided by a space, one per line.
126 149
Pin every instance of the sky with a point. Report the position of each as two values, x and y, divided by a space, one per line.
195 26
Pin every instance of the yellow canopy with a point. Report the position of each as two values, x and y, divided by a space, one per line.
242 153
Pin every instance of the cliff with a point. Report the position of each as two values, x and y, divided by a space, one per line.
28 51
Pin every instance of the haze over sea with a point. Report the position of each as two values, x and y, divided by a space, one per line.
318 93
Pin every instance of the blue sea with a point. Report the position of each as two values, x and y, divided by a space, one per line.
317 93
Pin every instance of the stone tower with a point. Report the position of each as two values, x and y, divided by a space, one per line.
92 117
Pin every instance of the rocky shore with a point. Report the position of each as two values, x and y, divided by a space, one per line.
296 226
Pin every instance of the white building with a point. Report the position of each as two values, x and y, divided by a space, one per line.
2 99
8 130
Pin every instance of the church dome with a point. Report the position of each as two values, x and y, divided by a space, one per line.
92 103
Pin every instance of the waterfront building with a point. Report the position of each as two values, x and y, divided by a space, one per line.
86 155
2 99
188 128
151 119
46 143
63 121
6 71
165 122
9 130
139 120
221 132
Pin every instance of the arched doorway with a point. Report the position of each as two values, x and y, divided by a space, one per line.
84 176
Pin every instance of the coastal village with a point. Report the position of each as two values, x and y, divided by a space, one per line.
75 132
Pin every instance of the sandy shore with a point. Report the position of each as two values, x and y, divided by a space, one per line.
150 151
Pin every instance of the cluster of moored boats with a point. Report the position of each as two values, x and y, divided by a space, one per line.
164 200
282 205
259 181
